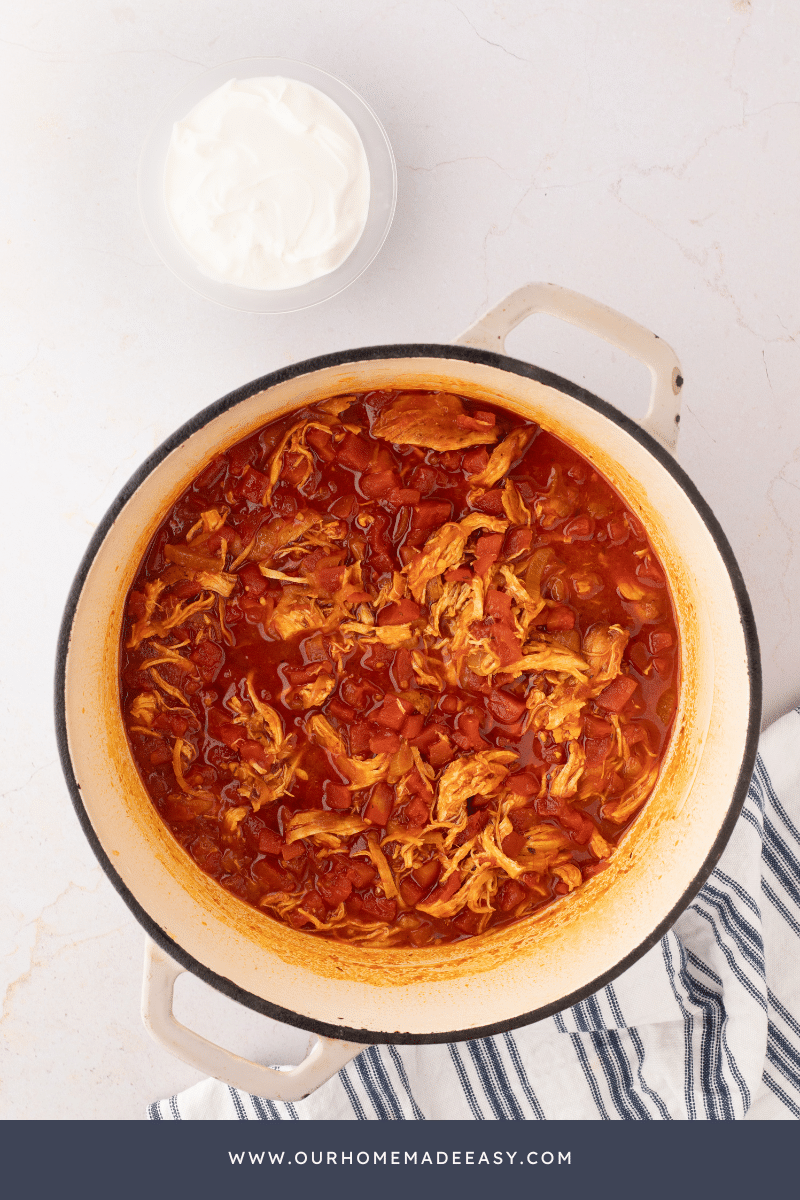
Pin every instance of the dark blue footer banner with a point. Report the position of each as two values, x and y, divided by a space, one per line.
193 1160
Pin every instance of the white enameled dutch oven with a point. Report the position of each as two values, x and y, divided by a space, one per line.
351 996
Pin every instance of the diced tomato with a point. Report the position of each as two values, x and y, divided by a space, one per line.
660 640
392 713
418 812
440 752
400 496
663 664
490 502
233 612
446 891
380 804
161 754
298 675
634 732
561 888
329 577
254 752
505 707
321 441
239 456
578 825
269 842
378 483
458 575
485 417
597 750
509 895
136 605
523 819
423 478
354 452
467 922
354 694
412 726
517 539
230 734
360 873
252 485
208 658
524 784
379 907
178 810
411 891
560 618
514 844
430 734
334 888
449 704
475 823
294 851
617 694
344 508
384 742
313 903
184 591
360 733
475 460
294 468
498 605
273 877
595 727
488 548
337 796
467 733
637 654
176 724
429 514
400 613
343 712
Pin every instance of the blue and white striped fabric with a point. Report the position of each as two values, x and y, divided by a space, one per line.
705 1027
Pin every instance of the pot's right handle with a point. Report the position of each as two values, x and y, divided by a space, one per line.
663 414
326 1058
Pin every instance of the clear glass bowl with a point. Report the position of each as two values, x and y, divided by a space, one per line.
383 188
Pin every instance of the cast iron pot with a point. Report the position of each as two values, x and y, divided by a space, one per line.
351 996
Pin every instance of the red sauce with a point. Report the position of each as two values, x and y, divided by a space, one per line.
366 746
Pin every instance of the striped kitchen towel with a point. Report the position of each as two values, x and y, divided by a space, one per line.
706 1026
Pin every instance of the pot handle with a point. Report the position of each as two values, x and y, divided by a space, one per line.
326 1058
663 413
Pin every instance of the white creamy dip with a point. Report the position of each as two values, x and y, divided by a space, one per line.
267 183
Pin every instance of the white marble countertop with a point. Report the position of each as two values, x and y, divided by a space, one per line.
643 153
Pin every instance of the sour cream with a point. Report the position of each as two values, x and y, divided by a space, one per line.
267 183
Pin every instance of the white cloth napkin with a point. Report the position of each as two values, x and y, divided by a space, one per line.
706 1026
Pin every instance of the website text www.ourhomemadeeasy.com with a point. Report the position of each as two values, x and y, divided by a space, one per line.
400 1158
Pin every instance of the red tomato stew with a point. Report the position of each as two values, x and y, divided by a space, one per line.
399 668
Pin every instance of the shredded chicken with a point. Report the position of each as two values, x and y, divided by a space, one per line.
431 421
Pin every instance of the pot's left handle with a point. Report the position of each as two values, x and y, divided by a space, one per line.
325 1059
663 413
